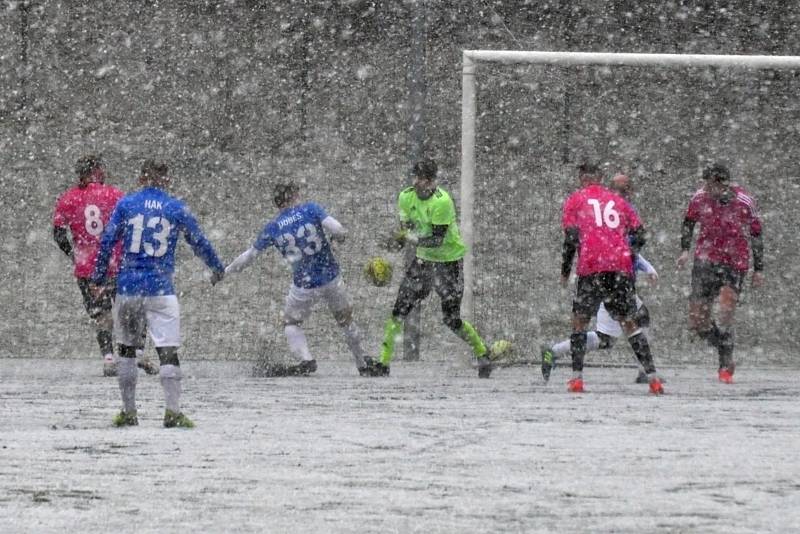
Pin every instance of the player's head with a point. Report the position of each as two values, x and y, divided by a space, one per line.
154 173
89 168
622 185
285 194
717 178
589 173
424 175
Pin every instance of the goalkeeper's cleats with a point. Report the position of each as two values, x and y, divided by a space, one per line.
373 368
500 349
147 365
124 418
548 362
485 366
725 375
176 420
575 385
656 387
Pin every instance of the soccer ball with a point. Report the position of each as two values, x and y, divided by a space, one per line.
378 271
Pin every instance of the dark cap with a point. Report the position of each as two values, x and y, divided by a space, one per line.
86 164
426 169
717 173
283 193
589 168
154 169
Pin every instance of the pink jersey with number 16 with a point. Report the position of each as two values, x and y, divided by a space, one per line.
603 220
85 211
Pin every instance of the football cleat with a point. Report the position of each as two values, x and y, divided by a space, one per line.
500 349
725 375
373 368
485 367
575 385
656 386
304 368
548 362
124 418
173 420
642 378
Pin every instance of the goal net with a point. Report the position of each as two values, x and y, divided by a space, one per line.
528 118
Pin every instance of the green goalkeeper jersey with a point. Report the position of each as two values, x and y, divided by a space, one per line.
439 210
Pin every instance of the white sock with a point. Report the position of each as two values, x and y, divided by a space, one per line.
171 382
352 336
297 342
562 348
127 374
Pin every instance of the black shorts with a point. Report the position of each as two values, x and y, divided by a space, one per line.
615 290
446 278
95 307
708 278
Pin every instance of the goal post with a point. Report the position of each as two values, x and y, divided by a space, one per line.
471 58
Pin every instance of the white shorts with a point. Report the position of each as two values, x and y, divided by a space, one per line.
161 315
300 301
607 325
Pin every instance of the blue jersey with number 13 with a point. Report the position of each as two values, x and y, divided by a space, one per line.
149 222
298 234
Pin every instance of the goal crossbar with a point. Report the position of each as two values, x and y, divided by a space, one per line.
468 110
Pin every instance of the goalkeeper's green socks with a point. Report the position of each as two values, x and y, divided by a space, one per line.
468 333
390 332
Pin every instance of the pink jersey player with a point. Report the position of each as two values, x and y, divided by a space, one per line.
85 211
603 220
725 227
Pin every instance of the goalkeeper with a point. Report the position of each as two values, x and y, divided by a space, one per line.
428 222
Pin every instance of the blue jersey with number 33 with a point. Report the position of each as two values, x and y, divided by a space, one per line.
149 222
298 234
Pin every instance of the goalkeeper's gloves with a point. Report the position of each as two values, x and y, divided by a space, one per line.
406 236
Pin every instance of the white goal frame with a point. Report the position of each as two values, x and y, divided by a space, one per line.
468 111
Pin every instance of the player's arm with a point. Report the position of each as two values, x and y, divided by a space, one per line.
243 260
109 239
568 250
334 228
61 237
637 237
757 246
246 258
201 246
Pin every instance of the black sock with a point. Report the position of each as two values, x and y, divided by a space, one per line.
105 342
577 343
641 348
725 347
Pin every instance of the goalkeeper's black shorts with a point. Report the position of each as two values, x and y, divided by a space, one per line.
446 278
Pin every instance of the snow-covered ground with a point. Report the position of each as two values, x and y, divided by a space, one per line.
430 449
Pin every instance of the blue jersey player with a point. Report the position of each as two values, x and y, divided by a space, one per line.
148 222
299 233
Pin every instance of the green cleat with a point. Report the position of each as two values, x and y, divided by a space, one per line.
500 349
548 362
124 418
173 419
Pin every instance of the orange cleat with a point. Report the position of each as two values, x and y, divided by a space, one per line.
656 386
575 385
725 376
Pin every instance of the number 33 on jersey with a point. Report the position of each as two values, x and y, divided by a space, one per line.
603 220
